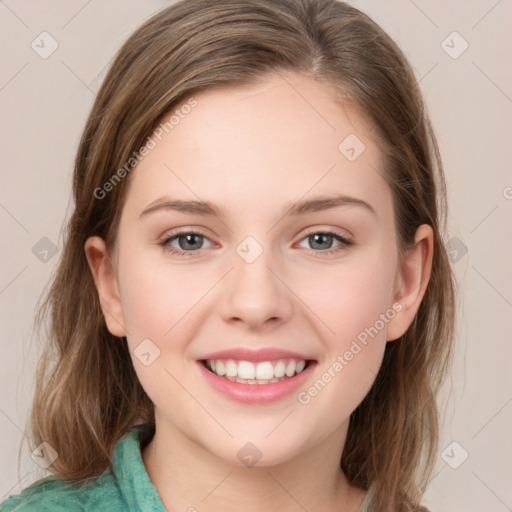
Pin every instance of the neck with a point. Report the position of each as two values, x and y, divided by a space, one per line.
190 478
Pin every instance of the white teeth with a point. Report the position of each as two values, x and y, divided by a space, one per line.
264 372
219 368
231 368
290 368
279 369
246 370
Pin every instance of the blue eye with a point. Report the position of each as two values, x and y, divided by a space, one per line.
189 242
322 242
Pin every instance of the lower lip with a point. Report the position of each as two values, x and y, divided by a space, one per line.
256 393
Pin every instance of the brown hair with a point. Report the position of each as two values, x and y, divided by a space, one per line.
87 394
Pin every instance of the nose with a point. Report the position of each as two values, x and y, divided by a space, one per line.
255 295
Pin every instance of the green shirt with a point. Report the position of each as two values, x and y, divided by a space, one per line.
125 487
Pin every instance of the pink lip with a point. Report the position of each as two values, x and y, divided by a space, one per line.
265 354
256 393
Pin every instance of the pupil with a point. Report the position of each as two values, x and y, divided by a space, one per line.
189 239
319 238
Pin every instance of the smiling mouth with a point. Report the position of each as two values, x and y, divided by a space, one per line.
263 372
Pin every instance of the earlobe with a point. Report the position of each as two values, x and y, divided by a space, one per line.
105 280
412 280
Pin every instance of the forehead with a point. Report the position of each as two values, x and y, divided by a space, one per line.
265 142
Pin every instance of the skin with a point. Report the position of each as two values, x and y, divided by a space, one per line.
251 150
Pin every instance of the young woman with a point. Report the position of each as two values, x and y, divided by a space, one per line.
253 308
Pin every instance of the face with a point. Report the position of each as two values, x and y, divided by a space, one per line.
253 245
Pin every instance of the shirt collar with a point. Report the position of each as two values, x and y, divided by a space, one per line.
131 476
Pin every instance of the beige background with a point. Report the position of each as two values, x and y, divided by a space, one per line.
44 104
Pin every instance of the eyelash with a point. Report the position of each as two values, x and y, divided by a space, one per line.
164 243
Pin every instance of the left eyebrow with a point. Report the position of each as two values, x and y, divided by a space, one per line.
325 203
207 208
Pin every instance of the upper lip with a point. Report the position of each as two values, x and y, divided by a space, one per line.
264 354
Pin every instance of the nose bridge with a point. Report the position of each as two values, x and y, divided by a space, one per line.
254 294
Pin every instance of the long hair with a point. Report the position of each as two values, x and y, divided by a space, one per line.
87 393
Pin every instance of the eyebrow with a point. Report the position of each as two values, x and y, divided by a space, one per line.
301 207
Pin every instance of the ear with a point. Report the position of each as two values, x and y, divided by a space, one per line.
411 282
105 280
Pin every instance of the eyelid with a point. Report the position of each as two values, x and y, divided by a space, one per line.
198 231
168 236
328 230
186 230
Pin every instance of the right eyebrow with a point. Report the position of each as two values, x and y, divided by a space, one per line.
191 207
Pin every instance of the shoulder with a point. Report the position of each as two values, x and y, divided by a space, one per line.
369 505
58 495
125 481
44 495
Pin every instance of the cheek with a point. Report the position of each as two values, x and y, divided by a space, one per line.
157 306
351 303
349 298
155 298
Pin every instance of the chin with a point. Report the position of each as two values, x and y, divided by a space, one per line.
256 451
